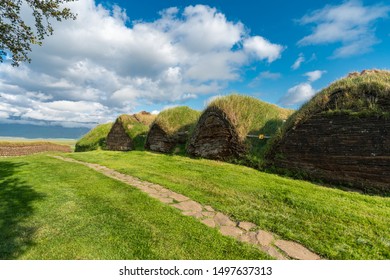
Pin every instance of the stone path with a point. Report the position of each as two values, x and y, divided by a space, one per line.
243 231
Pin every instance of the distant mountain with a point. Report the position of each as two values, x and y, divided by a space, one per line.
35 131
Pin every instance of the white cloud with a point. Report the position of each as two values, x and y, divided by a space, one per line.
351 24
155 112
262 48
298 62
99 62
314 75
297 95
269 75
4 115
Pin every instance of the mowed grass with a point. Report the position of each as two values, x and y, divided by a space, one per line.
50 209
333 223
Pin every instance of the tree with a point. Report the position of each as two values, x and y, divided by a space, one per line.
17 37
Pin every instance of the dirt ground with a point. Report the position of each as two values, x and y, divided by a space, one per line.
8 149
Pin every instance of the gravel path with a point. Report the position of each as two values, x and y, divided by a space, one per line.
242 230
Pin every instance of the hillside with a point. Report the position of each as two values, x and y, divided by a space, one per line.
95 139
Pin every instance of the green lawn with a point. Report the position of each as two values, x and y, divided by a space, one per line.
50 209
333 223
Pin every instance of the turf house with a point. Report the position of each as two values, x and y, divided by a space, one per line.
129 132
169 132
342 135
230 126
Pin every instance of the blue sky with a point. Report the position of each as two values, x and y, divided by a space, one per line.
127 56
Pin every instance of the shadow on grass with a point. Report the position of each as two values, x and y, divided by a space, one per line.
16 199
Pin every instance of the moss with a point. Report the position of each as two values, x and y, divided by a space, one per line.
95 139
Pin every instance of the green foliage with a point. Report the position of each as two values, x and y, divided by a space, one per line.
177 119
95 139
333 223
17 37
50 209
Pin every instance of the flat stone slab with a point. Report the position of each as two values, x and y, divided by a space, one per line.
149 190
197 215
231 231
249 237
189 206
223 220
264 238
246 225
209 222
208 214
296 251
209 208
178 197
166 200
273 252
157 187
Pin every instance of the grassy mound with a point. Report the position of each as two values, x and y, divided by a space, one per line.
250 115
137 126
95 139
169 132
359 94
341 135
249 118
177 119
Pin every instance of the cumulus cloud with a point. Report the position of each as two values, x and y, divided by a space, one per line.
297 95
350 24
298 62
302 92
99 66
314 75
261 48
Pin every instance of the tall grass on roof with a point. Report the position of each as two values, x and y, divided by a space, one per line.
170 130
358 94
228 129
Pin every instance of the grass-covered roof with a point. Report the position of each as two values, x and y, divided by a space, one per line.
94 139
176 119
358 94
250 115
136 124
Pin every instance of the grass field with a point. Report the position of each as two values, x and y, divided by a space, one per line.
50 209
333 223
60 141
